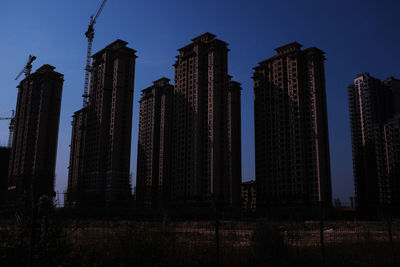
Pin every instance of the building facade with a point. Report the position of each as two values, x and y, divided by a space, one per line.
34 146
154 145
76 162
367 108
388 163
374 114
249 196
206 146
4 160
99 170
291 129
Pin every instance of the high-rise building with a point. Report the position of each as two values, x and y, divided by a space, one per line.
374 115
34 147
154 145
101 139
388 163
249 196
291 129
371 105
388 150
206 144
366 97
76 161
4 160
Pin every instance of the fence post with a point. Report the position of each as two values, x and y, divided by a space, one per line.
216 230
321 231
389 225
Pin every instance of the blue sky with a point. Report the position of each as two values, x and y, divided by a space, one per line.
357 36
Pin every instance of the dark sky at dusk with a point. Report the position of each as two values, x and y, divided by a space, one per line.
357 36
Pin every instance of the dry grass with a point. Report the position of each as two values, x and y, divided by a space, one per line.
192 243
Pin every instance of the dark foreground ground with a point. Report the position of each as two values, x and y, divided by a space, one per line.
87 242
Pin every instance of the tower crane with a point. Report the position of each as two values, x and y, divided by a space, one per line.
28 67
11 127
90 36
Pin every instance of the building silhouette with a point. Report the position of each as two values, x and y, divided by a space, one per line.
99 169
291 129
374 115
206 142
388 163
4 161
75 192
249 196
154 145
34 146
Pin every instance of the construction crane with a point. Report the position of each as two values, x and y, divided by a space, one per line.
11 127
28 67
90 36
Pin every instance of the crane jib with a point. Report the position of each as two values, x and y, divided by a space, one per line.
90 36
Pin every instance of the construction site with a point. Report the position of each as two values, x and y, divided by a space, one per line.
102 219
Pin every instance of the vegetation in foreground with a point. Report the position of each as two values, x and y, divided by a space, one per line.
167 243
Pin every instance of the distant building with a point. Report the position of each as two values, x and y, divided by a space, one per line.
388 163
75 191
352 203
34 147
4 161
337 203
249 196
366 103
206 141
154 145
291 129
374 115
99 166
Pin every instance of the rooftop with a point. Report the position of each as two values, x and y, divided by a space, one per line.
117 44
203 38
294 46
45 68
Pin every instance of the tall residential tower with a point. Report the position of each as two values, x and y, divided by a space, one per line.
291 129
374 113
154 145
99 169
34 147
206 141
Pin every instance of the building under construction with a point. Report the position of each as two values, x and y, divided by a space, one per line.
291 130
99 169
375 134
154 145
206 140
34 146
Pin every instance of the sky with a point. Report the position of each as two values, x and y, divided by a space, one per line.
356 35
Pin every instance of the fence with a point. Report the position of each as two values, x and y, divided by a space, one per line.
246 242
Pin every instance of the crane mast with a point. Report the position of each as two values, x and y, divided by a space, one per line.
90 36
28 67
27 71
11 127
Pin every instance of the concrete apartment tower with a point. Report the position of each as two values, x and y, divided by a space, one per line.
75 193
291 129
388 150
206 141
388 164
374 112
34 146
154 145
99 170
